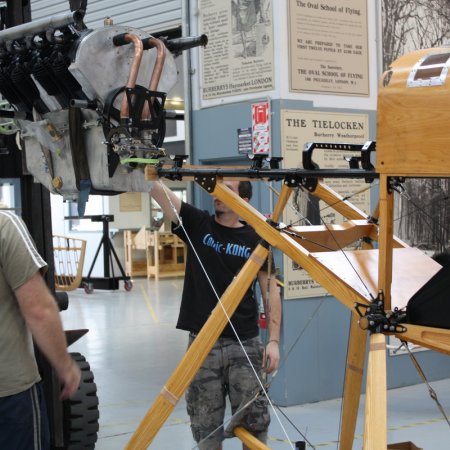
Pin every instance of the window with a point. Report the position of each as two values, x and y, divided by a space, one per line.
10 195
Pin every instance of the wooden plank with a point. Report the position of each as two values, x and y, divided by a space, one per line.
320 238
249 440
434 338
375 423
359 269
386 205
353 381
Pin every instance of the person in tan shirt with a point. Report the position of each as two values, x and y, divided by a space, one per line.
28 314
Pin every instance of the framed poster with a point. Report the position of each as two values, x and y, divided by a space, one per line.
239 56
297 128
328 47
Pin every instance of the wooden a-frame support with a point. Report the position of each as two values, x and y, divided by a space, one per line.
326 268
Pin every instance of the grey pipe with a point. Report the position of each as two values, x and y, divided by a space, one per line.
39 26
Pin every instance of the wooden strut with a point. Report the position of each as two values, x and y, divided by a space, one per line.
196 354
376 268
375 429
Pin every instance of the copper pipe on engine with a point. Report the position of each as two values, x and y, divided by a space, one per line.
132 77
157 70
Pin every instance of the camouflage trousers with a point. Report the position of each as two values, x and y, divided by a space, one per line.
226 372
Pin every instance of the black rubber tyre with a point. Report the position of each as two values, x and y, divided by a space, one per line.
81 411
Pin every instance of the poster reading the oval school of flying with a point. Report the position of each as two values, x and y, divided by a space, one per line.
328 46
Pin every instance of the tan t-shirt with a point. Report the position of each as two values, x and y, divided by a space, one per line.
19 261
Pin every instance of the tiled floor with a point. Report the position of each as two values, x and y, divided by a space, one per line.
133 347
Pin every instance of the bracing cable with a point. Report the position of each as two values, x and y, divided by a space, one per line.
421 373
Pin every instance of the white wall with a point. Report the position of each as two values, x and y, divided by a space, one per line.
149 15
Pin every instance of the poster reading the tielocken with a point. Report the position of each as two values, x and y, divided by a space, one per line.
298 128
328 47
239 56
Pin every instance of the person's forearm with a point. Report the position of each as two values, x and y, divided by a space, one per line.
49 336
272 302
169 202
42 317
274 322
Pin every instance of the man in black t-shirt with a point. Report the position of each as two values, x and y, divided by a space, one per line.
218 247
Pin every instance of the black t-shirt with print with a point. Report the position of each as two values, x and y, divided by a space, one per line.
222 252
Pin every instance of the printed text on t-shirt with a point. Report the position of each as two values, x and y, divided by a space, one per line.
228 249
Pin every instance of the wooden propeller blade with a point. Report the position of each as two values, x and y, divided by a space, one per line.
353 380
375 420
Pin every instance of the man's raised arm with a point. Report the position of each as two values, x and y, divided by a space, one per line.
169 202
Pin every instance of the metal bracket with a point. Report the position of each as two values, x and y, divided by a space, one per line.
294 181
257 161
207 182
355 162
396 184
374 318
309 184
274 162
178 160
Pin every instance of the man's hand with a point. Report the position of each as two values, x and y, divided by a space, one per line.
271 358
70 379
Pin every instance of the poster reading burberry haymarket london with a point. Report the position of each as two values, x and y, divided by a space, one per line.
239 56
328 47
300 127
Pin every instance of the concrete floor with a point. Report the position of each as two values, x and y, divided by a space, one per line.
133 347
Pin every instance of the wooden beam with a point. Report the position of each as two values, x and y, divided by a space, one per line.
434 338
249 440
385 241
323 238
353 381
196 353
375 419
337 202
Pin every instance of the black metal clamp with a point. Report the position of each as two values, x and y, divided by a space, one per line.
375 319
355 162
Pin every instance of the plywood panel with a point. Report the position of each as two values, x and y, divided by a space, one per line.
359 269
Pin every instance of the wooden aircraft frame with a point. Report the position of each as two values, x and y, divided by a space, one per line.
412 141
325 267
